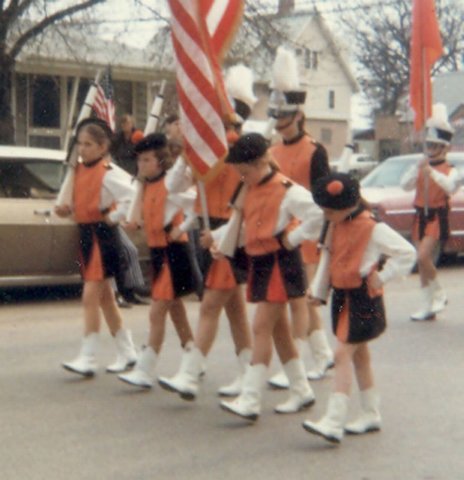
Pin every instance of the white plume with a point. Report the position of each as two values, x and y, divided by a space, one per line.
239 84
439 112
285 71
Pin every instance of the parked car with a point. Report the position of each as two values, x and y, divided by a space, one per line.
394 206
37 247
359 164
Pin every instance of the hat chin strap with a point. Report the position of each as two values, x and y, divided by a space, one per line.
285 125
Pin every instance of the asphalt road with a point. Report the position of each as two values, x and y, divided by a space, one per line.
54 425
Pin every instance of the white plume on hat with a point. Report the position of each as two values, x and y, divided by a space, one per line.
285 71
239 84
438 127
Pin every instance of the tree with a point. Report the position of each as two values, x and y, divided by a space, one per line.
382 35
22 21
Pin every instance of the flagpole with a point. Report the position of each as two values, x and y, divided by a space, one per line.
134 213
65 195
424 115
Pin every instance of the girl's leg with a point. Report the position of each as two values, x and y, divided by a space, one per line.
344 367
321 351
109 307
430 287
236 313
85 363
158 312
427 270
126 354
332 425
241 335
91 296
369 419
248 404
211 305
143 374
180 321
267 315
185 382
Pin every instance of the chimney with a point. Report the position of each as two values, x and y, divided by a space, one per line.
285 7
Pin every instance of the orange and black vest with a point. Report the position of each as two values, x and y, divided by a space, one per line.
349 242
295 160
436 196
219 191
88 183
154 204
261 211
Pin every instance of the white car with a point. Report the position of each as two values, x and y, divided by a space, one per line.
359 164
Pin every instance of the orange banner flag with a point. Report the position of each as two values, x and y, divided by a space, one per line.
426 49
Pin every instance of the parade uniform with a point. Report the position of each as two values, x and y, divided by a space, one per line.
276 274
359 244
224 273
303 160
100 190
443 181
174 273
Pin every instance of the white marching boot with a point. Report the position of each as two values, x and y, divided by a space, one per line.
331 425
370 419
85 363
143 374
425 312
248 404
126 353
301 394
280 380
185 381
235 388
322 355
439 298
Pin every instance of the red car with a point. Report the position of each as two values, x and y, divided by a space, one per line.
394 206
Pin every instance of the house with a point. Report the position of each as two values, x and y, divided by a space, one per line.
56 68
394 134
324 71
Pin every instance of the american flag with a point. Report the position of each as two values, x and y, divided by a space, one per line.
103 105
201 32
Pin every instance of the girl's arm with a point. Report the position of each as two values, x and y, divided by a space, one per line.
117 190
179 177
401 255
298 203
449 183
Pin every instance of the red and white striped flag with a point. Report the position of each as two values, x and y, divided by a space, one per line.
103 105
201 32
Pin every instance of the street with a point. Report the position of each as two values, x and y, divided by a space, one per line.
56 425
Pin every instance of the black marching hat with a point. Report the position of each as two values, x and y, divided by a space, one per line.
153 141
336 191
247 149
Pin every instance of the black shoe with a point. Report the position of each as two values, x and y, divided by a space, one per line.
122 302
132 297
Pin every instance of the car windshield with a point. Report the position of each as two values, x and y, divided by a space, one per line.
388 173
24 178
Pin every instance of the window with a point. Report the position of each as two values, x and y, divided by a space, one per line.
326 136
311 59
331 99
45 102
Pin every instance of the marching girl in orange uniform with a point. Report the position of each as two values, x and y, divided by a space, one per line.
358 243
222 290
276 274
435 180
223 278
174 272
102 194
303 160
